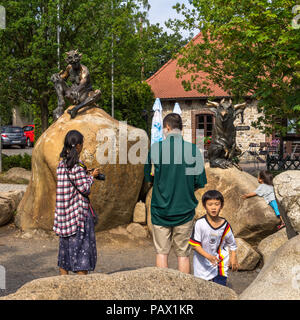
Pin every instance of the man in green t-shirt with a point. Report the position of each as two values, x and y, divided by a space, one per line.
178 172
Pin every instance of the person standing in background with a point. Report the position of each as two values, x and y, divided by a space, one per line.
178 172
74 221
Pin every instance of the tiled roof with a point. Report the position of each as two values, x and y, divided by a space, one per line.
165 85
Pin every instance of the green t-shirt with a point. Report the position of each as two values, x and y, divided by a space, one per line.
179 171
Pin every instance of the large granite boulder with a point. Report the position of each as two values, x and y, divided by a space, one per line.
247 257
287 189
279 279
270 244
139 214
142 284
17 175
113 199
9 202
137 230
252 219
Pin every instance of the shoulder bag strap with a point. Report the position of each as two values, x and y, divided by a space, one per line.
76 187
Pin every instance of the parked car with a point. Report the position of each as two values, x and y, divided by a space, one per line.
29 132
12 135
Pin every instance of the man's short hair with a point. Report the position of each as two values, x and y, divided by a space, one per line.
212 195
173 120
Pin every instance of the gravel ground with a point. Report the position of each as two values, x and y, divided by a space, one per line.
28 256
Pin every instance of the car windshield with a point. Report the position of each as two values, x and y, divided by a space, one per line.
12 130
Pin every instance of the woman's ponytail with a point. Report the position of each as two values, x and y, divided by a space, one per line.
69 152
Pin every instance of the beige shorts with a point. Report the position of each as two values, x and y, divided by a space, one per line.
179 236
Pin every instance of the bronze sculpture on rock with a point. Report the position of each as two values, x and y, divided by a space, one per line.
81 93
223 148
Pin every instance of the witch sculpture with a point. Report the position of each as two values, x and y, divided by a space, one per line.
223 148
81 93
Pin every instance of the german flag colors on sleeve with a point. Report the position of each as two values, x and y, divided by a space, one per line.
193 241
221 265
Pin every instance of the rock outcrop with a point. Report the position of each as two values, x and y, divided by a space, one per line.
248 258
251 220
9 202
270 244
113 199
142 284
137 230
17 175
139 214
279 279
287 189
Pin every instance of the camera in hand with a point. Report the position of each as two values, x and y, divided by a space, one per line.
100 176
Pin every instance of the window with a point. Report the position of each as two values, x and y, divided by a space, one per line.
205 122
202 119
12 129
291 124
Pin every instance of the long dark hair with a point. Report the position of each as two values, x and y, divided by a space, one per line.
69 152
266 177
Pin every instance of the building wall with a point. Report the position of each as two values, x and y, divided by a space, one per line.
253 135
191 107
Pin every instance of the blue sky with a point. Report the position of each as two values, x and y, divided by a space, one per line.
161 11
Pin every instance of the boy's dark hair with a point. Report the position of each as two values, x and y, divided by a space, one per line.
173 120
69 152
212 195
266 177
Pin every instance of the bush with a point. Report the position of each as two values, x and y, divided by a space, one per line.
22 161
131 99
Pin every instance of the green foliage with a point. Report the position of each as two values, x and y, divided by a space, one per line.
106 32
22 161
207 140
132 100
5 114
247 48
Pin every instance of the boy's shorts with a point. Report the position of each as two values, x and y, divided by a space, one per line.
220 280
163 237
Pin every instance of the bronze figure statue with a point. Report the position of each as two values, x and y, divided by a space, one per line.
223 148
80 93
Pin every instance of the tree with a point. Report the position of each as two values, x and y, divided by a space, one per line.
113 35
247 48
29 50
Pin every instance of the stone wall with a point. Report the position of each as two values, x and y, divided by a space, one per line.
253 135
191 107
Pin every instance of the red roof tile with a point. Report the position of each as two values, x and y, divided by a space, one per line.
165 85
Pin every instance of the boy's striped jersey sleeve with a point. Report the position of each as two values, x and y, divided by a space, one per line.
230 239
195 239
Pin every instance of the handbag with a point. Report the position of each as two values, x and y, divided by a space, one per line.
95 216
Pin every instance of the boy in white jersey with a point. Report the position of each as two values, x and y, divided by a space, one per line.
211 238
